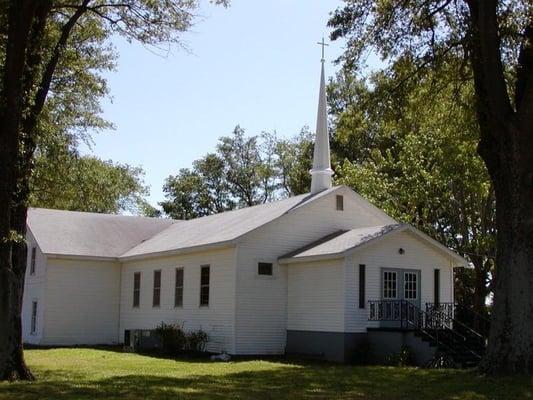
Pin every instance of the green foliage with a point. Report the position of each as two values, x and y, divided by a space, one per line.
404 358
412 152
293 162
174 340
61 178
71 182
244 171
196 341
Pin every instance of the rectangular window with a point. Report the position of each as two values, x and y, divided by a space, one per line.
33 317
136 289
264 268
410 283
32 262
178 291
340 202
437 287
362 272
389 285
156 301
204 285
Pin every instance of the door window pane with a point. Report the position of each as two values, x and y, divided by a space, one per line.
390 285
410 285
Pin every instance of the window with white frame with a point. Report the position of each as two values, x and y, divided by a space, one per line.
410 283
390 285
34 317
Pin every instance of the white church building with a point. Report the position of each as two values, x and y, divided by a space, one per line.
315 274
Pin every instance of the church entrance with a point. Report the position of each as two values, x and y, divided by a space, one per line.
398 287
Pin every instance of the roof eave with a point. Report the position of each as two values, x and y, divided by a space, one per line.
58 256
168 253
321 257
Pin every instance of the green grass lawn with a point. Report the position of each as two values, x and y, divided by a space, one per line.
92 374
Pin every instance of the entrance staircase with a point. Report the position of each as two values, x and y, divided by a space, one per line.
459 334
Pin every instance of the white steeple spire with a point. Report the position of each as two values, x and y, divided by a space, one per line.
321 172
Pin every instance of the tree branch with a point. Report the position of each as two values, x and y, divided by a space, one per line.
487 62
44 86
524 77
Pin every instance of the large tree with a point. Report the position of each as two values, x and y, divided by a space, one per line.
495 38
412 153
244 171
68 181
35 37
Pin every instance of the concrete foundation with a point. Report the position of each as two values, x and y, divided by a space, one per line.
374 347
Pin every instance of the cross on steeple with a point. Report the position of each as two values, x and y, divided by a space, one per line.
323 44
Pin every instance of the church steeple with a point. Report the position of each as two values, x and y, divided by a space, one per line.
321 172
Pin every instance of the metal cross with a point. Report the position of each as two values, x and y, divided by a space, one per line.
323 44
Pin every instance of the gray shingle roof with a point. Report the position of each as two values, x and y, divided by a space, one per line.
89 234
340 242
219 228
71 233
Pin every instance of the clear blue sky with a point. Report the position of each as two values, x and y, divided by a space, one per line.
255 63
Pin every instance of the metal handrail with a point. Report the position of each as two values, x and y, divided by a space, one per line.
420 323
451 319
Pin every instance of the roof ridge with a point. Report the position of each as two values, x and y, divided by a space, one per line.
110 215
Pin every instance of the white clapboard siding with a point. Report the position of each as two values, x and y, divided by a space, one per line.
217 319
261 319
34 290
82 302
384 254
316 296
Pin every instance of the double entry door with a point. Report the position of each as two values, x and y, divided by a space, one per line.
401 284
396 285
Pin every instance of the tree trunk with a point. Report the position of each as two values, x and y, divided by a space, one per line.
12 364
510 347
506 143
12 210
480 291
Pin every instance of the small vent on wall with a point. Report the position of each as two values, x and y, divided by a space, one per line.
340 202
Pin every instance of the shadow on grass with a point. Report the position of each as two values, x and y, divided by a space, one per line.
305 381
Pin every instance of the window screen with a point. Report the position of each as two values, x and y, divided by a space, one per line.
437 286
340 202
33 317
32 262
156 302
178 292
204 285
136 289
362 285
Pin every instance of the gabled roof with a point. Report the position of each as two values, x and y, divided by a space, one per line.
72 233
342 243
218 229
